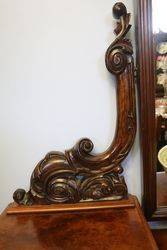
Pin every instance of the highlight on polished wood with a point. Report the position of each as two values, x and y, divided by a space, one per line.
78 174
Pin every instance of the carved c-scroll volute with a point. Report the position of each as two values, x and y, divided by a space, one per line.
78 174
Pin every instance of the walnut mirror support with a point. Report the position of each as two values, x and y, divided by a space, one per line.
77 176
152 59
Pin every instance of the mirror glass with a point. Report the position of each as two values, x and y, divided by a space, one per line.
160 48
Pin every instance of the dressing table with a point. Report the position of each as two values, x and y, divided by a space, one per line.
110 225
78 200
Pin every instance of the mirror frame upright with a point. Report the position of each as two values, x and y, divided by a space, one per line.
146 62
78 174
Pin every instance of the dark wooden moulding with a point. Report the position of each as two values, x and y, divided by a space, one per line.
147 104
78 175
147 75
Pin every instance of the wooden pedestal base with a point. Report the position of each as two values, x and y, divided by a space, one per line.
13 208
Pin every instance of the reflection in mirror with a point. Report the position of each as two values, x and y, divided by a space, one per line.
160 42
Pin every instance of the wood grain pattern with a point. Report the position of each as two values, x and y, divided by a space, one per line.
122 228
77 174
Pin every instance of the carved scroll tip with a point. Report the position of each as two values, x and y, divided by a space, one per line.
86 145
119 10
22 198
18 195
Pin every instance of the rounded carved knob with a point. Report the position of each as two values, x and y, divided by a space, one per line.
119 10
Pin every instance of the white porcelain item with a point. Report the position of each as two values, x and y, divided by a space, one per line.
162 157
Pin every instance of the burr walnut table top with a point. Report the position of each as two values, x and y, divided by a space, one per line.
111 227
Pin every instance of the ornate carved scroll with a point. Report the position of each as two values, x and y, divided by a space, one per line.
77 174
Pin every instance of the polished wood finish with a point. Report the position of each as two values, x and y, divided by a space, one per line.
146 61
122 228
77 174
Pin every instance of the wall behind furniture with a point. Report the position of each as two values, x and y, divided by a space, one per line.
54 87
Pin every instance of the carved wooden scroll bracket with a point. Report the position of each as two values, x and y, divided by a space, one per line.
77 174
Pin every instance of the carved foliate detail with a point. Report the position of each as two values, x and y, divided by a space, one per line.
79 175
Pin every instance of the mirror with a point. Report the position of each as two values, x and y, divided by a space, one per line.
152 74
160 46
